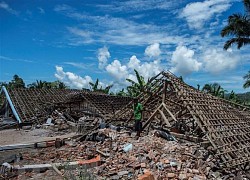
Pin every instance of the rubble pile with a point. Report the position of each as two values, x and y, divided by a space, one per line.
57 122
125 157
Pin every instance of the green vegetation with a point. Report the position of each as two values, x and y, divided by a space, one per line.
136 87
17 82
238 28
47 85
214 89
247 82
94 87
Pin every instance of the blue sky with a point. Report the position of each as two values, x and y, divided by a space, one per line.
79 41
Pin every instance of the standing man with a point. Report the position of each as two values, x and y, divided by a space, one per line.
138 117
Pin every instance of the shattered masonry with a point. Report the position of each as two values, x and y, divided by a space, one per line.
226 125
168 102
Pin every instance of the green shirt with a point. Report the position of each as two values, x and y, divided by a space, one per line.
138 111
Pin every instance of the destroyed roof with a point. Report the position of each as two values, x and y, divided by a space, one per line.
106 105
35 104
172 102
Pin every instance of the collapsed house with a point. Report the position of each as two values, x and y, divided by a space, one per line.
35 105
168 103
172 103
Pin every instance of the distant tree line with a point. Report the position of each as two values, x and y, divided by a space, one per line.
17 82
134 89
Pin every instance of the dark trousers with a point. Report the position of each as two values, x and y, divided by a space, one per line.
138 126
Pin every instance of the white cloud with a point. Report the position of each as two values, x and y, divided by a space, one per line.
149 70
96 29
80 65
146 69
80 36
121 72
134 63
216 61
141 5
153 50
5 6
103 55
183 61
71 79
13 59
117 70
198 13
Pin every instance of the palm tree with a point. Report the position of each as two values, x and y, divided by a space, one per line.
215 89
40 84
207 88
239 27
247 82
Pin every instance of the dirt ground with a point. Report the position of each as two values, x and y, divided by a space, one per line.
13 136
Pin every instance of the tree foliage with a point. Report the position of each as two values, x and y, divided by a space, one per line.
238 28
16 82
214 89
95 87
39 84
247 82
122 93
137 86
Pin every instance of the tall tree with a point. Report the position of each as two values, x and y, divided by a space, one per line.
238 28
17 82
247 82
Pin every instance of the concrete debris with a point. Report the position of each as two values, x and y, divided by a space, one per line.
177 141
11 158
121 156
127 147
